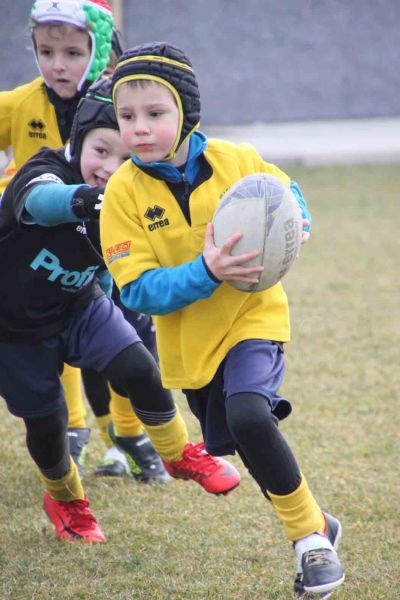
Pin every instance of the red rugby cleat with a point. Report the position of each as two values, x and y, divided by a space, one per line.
214 474
73 520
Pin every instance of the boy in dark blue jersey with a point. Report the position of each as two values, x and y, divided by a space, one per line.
52 310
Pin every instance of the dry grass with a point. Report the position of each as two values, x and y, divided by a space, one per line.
178 543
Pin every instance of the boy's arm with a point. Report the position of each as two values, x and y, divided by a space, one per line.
50 204
167 289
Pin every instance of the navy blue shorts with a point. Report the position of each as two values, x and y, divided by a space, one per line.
255 366
30 373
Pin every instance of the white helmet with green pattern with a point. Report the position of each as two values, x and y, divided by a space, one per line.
95 16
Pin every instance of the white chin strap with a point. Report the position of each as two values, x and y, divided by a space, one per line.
89 65
37 63
67 152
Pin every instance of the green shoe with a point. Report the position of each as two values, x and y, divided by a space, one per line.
114 464
144 462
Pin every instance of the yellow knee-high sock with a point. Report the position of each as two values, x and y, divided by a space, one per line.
170 438
71 380
102 424
67 488
126 423
299 512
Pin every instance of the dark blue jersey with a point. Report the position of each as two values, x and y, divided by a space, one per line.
46 273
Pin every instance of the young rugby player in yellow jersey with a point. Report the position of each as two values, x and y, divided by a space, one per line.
222 346
10 167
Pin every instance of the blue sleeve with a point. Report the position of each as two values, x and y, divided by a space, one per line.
302 203
106 282
167 289
49 205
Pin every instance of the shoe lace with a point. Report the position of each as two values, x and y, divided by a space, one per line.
318 557
202 461
78 511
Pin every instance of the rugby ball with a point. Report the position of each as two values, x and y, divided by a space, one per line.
267 214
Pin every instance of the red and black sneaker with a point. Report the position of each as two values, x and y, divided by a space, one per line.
73 520
214 474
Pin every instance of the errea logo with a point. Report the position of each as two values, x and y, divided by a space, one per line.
155 214
36 127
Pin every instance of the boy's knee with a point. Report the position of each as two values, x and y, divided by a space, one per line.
46 437
248 415
49 427
134 367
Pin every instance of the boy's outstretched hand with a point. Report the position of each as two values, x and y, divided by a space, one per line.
86 202
223 265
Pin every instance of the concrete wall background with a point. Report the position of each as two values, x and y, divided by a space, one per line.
258 60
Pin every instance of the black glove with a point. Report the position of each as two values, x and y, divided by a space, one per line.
86 202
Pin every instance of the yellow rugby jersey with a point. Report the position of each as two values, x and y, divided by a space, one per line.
28 121
142 227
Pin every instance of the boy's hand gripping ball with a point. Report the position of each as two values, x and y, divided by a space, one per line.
267 214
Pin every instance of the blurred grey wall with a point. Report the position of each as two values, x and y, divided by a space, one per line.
258 60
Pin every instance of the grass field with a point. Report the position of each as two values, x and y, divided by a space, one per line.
178 543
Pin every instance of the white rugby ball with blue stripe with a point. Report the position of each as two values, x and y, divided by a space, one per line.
267 214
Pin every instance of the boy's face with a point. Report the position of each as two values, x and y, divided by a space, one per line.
63 54
103 152
148 119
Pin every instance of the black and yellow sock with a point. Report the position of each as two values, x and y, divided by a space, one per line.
170 438
126 423
299 512
67 488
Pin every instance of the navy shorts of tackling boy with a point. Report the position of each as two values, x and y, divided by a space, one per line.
105 334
